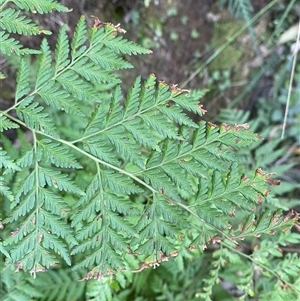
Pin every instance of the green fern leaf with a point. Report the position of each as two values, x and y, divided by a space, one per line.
5 190
118 183
61 50
115 110
120 45
6 161
101 148
58 180
107 59
41 6
58 154
93 73
192 167
11 21
132 99
52 202
77 87
188 101
28 249
27 159
62 284
156 228
147 93
44 65
17 286
10 46
140 133
53 95
79 39
51 242
106 228
125 146
161 182
22 81
35 118
175 113
160 124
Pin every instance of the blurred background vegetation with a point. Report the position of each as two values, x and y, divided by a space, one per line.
244 52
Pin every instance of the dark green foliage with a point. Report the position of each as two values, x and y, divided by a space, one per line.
134 182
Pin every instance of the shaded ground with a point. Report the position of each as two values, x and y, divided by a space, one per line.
165 28
182 35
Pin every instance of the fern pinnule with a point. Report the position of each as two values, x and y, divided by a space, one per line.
120 45
54 96
35 118
12 22
79 39
10 46
57 154
44 70
40 6
6 124
22 81
62 50
6 162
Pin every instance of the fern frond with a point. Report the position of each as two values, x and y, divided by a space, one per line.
118 183
106 227
44 65
152 182
22 81
6 161
58 180
120 45
268 222
5 190
157 227
77 46
77 87
41 6
10 46
11 21
60 284
216 266
17 286
62 50
57 154
93 73
108 60
54 96
35 118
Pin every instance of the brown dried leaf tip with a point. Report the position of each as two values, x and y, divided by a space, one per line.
117 27
200 107
94 274
97 22
226 127
176 90
154 264
273 182
212 125
244 126
292 214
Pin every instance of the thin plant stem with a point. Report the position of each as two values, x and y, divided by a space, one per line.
291 83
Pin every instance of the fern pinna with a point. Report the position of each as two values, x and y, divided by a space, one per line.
102 180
